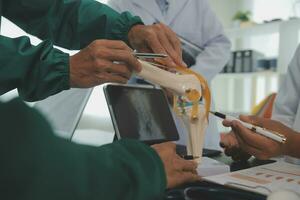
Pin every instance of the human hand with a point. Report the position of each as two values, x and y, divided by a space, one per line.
178 170
257 145
157 38
229 143
100 62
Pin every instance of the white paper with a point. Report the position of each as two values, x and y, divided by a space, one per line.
209 167
264 179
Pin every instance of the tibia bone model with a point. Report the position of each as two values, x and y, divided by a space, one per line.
188 88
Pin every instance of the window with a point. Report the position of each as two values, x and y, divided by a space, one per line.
274 9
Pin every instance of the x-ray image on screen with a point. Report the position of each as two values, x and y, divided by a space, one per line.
141 113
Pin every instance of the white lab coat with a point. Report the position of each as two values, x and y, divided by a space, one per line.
287 103
191 19
195 21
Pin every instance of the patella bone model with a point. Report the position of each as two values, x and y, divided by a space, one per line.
188 88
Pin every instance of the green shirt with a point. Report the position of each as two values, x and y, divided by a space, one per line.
40 71
37 165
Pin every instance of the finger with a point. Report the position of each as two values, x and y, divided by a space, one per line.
119 69
228 140
236 153
175 42
117 79
188 177
231 151
172 37
165 42
155 45
185 165
248 136
181 178
252 150
170 145
194 172
104 66
145 49
245 146
227 123
232 141
167 62
110 78
121 56
112 44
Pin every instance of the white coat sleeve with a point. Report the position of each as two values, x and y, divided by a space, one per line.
288 97
216 45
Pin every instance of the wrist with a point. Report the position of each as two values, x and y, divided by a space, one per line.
71 76
292 145
131 33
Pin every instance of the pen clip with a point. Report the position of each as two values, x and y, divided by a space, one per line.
276 133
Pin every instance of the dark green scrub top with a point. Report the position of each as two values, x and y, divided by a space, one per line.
40 71
36 165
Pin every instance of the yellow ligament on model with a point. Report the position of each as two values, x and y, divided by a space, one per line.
194 96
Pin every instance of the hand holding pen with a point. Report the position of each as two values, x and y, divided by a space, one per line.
255 144
255 128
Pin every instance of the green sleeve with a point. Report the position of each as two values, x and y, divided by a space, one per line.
36 71
36 165
41 71
71 24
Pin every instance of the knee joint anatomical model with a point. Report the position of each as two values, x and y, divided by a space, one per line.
189 88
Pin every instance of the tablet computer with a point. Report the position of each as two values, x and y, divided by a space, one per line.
140 112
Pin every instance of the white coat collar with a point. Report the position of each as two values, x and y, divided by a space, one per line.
152 8
175 7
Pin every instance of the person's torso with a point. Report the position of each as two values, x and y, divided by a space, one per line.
296 125
286 107
296 70
182 16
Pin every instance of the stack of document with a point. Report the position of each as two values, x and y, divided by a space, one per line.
209 167
263 179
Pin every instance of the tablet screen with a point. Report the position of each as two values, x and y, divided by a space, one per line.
141 113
